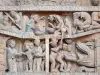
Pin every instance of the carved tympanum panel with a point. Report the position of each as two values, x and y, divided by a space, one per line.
45 42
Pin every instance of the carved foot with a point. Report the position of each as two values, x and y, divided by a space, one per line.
54 70
68 70
30 71
62 70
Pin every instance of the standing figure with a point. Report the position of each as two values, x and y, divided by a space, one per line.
11 55
67 54
44 54
53 53
38 56
28 51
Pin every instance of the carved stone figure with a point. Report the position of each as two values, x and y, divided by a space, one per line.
43 65
67 54
95 20
15 18
88 56
60 50
29 52
53 54
6 25
11 54
38 56
82 21
25 21
55 24
11 21
32 25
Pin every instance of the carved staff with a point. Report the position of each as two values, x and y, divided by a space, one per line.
13 21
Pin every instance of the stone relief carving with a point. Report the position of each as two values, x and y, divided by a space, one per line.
82 21
55 24
33 25
38 55
60 34
63 59
29 53
12 55
75 23
63 56
11 21
53 53
87 58
33 55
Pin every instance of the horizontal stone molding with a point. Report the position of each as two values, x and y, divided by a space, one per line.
30 35
49 8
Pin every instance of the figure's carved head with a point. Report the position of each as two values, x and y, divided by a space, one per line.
11 43
51 18
13 13
28 44
37 42
68 41
54 41
35 17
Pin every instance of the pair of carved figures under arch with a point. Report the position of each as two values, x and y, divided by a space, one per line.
32 56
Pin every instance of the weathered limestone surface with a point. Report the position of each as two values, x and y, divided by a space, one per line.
63 41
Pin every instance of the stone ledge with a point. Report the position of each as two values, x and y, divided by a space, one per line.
86 33
30 35
50 8
43 73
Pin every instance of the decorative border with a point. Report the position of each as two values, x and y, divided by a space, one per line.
50 8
